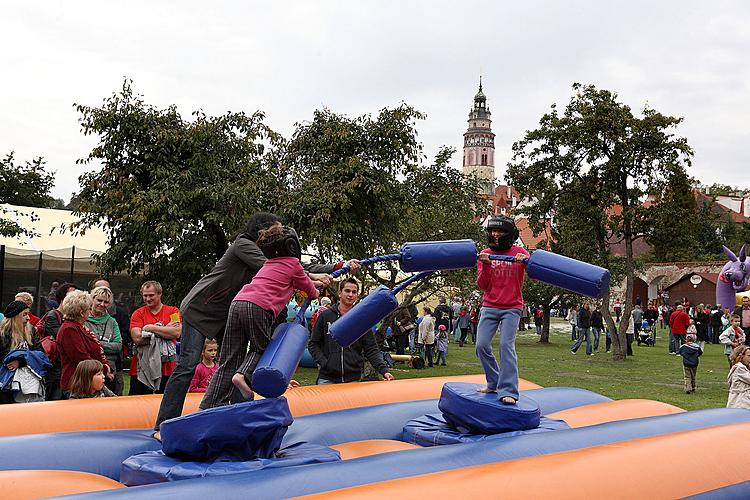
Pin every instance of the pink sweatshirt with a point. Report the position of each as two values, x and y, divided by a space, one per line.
502 282
274 284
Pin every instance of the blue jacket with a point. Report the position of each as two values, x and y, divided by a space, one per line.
36 360
690 353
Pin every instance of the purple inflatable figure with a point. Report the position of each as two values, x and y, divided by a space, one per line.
733 278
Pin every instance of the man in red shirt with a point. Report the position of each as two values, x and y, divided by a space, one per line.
152 321
679 321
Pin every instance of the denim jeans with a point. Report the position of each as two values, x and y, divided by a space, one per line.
596 331
503 378
583 334
440 356
191 348
573 332
672 344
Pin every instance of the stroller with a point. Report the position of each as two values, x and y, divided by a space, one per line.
646 335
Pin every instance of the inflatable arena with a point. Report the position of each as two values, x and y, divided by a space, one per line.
434 436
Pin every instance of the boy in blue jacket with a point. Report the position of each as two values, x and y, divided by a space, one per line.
690 352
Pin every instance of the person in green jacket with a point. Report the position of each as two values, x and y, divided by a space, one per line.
107 331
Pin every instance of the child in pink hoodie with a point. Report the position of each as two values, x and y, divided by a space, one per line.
253 312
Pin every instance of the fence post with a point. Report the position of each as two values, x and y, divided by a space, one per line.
39 287
2 272
72 263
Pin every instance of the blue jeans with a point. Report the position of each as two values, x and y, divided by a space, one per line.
672 346
191 349
503 378
596 331
583 333
573 332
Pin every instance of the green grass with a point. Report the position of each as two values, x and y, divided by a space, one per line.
650 374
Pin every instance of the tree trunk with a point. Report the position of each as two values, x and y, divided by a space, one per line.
544 338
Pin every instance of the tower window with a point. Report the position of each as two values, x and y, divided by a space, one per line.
484 159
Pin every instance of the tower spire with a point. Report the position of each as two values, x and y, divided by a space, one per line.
480 82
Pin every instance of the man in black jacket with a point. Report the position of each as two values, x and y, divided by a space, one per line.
336 364
584 330
205 308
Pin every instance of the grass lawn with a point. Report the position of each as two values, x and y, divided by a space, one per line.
650 374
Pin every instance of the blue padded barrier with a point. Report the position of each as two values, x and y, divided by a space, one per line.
472 412
739 491
98 452
152 467
433 430
307 360
387 421
102 452
296 481
438 255
280 359
570 274
242 431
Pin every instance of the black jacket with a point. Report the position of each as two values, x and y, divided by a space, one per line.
443 316
596 319
206 306
584 318
339 364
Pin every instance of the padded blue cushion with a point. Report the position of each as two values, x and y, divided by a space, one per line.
472 412
280 359
242 431
433 430
155 467
351 326
570 274
436 255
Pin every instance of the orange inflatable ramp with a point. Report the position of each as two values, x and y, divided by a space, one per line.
701 457
23 484
139 412
612 411
357 449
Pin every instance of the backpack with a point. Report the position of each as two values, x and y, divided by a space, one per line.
49 344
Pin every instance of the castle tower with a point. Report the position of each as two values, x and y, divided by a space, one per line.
479 144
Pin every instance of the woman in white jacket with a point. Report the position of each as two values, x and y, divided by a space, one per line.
427 334
739 378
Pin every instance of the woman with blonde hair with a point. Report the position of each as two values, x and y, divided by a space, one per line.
107 330
75 342
15 335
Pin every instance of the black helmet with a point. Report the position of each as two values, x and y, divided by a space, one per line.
285 244
511 233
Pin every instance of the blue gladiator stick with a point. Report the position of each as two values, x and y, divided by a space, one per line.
564 272
366 314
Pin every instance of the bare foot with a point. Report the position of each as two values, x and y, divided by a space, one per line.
486 390
507 400
157 435
238 379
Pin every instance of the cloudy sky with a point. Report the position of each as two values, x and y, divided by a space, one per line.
684 58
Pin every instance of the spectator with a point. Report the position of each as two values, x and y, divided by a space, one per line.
427 334
630 336
584 330
88 381
337 364
443 314
75 342
28 299
53 298
717 326
702 321
48 326
14 334
324 304
739 378
404 327
690 352
158 323
539 319
206 368
732 337
637 319
474 322
463 325
456 310
597 325
118 311
679 321
618 309
107 330
573 320
743 312
442 346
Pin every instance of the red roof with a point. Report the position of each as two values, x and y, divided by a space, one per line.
530 241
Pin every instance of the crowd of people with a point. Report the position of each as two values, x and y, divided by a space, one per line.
78 348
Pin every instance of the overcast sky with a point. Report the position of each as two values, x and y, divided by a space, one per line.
684 58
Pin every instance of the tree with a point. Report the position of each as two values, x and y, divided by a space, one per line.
595 163
170 191
27 184
359 188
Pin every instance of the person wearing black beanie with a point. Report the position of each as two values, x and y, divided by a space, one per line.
15 334
14 309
